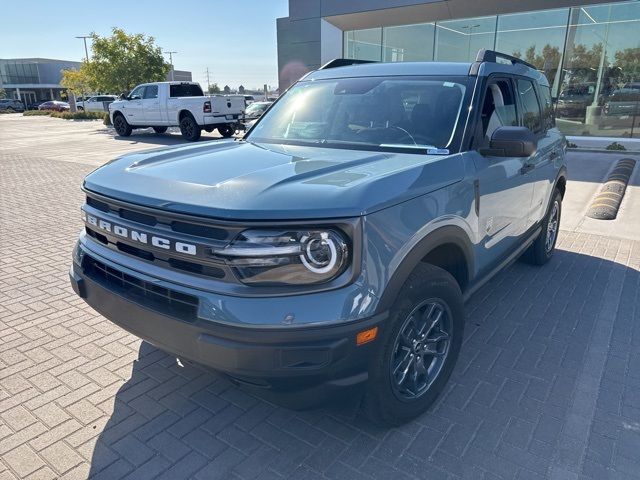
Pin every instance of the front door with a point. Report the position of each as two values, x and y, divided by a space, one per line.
28 98
151 106
133 110
504 188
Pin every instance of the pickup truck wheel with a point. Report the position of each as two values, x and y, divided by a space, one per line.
121 125
418 349
209 129
226 130
159 129
541 250
190 129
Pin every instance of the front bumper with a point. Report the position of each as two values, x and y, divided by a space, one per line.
295 366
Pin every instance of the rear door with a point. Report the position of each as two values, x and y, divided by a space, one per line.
540 168
503 189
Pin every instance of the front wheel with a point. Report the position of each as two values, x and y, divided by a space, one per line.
159 129
226 130
541 250
121 126
190 129
418 348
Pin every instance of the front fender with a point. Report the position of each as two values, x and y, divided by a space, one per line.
431 237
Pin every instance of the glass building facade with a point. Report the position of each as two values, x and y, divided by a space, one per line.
590 54
33 79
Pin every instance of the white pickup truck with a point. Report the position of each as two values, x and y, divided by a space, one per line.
168 104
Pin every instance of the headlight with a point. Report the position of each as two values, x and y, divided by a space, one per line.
287 257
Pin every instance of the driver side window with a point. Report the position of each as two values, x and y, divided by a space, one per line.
499 108
136 93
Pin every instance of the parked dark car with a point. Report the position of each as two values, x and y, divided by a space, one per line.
622 108
255 110
35 105
54 105
573 101
11 105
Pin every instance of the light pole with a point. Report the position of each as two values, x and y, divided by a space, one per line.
86 50
170 61
470 27
86 58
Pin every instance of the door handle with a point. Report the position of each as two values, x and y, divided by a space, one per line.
526 168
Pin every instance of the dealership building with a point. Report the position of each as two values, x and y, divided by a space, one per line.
588 49
33 79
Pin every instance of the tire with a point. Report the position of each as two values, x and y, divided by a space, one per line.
159 129
189 128
122 127
226 130
541 250
80 109
429 293
209 129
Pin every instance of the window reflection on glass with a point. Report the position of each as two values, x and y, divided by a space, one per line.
364 44
408 43
460 40
601 71
536 37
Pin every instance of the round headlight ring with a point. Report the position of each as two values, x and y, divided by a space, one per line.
312 263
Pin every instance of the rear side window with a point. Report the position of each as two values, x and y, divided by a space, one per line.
185 90
151 91
530 105
547 108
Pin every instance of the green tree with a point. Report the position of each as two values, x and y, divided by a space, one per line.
77 81
214 88
627 65
241 89
227 89
121 61
3 93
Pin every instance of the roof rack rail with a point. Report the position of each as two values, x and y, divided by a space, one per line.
485 55
343 62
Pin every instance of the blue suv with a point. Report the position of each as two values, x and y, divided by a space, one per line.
331 249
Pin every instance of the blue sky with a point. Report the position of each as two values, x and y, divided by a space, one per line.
235 39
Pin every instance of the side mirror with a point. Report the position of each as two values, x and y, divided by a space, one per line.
512 142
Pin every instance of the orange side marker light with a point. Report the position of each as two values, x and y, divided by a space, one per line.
366 336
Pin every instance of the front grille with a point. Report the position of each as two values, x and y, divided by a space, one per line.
163 223
190 228
163 300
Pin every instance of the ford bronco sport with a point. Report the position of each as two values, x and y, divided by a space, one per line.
333 246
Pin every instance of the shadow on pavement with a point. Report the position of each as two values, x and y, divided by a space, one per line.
526 335
147 135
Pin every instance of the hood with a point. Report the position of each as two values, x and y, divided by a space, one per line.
242 180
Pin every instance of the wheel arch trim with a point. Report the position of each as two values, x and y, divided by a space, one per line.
444 235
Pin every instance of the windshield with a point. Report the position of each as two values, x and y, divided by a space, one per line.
396 112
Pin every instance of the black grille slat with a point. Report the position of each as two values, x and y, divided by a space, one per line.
200 230
177 304
138 217
102 206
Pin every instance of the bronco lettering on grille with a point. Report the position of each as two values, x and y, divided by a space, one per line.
138 236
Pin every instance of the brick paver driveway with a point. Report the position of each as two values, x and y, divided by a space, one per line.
547 386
